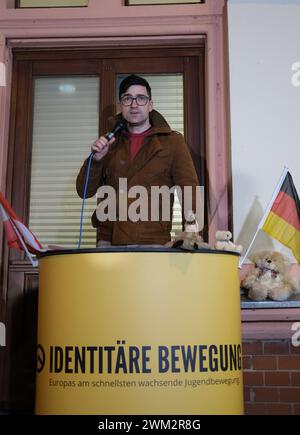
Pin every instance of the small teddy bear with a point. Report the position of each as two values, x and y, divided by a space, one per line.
225 244
269 278
190 238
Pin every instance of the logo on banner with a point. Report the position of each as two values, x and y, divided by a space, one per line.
40 358
124 359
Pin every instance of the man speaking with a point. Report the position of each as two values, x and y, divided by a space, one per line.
145 154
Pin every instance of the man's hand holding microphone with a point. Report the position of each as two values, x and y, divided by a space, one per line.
101 146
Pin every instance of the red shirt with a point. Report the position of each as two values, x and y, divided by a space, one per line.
136 140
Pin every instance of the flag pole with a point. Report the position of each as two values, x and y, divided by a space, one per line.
260 225
34 262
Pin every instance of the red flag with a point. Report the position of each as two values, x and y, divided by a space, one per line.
17 233
12 238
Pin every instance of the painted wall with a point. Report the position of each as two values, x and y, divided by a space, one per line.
264 61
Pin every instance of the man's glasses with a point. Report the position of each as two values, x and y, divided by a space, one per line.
141 100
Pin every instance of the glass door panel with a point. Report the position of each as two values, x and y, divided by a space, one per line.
65 123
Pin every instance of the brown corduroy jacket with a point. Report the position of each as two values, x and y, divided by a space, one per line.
163 160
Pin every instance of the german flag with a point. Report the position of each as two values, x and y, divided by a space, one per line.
283 220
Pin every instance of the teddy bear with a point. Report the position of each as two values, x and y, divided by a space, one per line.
190 238
224 242
269 278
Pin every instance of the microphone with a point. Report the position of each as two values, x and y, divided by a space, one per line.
120 125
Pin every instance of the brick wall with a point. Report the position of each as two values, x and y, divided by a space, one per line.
271 377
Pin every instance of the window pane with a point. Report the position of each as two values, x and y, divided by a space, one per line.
167 96
66 116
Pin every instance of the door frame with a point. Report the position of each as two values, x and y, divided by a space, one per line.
210 31
20 281
106 63
95 27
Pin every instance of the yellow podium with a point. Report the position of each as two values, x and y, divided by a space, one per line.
139 332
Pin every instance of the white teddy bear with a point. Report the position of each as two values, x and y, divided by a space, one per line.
270 278
224 242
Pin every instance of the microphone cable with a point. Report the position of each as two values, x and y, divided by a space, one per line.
90 158
120 125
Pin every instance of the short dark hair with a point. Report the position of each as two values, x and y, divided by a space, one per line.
133 80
